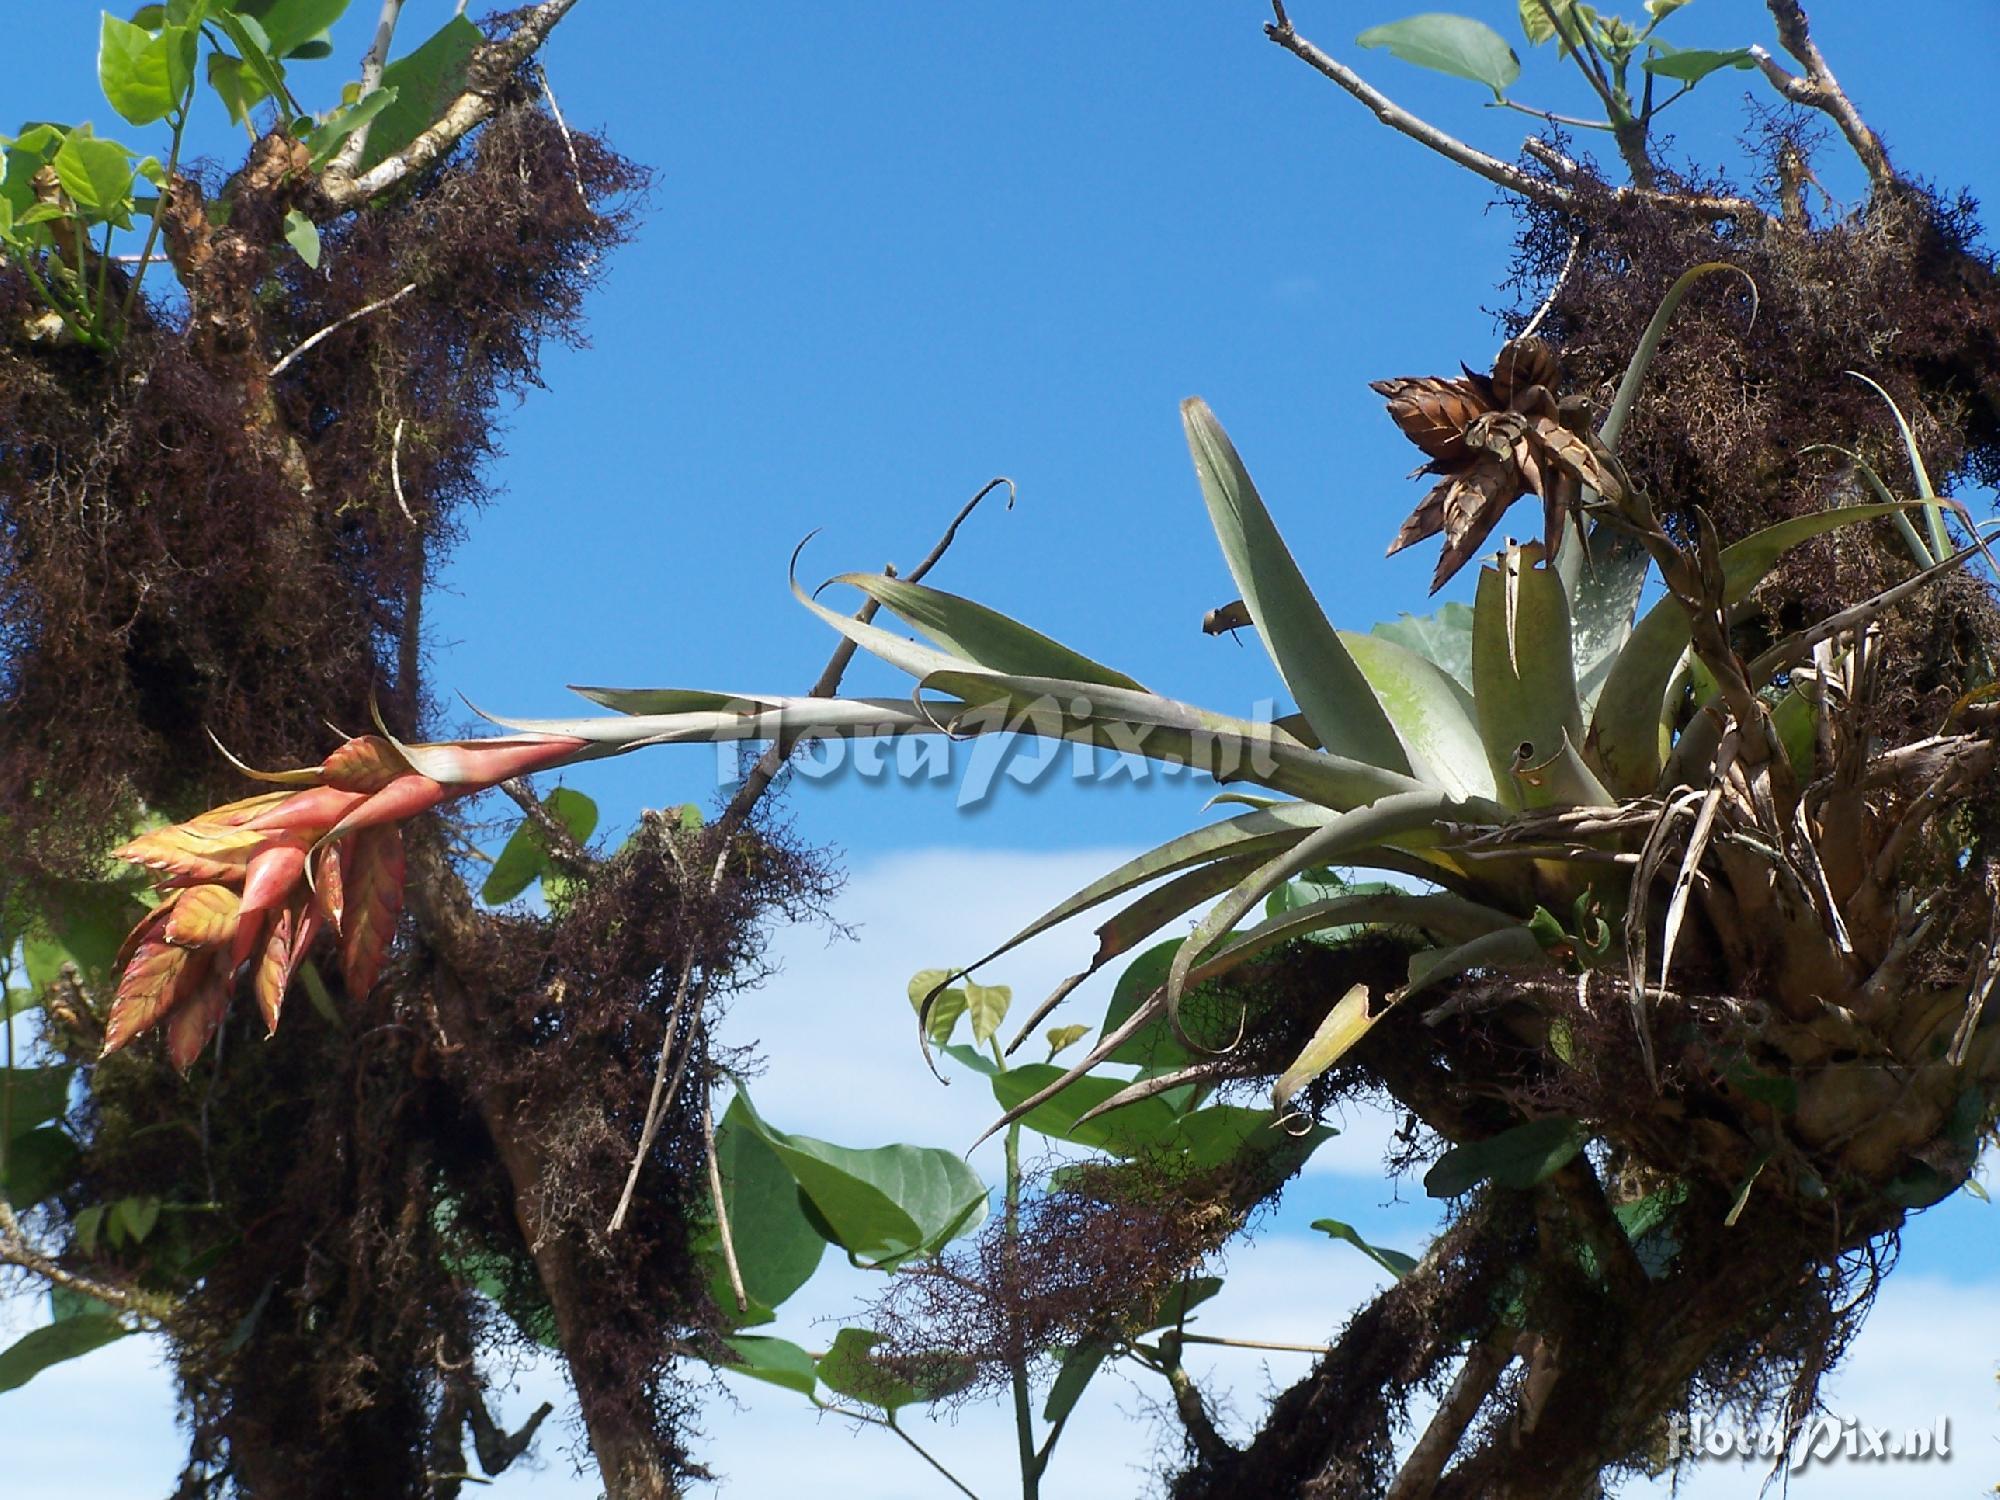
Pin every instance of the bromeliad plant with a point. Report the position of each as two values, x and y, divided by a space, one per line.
1722 820
257 882
1661 885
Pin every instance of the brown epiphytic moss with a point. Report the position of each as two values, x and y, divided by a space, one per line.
563 1021
188 547
1901 291
1092 1258
343 1192
1100 1246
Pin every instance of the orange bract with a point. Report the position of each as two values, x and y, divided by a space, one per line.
235 889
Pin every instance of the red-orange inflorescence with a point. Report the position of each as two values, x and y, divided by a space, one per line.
257 882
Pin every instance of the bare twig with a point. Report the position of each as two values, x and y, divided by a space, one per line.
396 471
1208 1443
1504 174
569 143
773 760
665 1086
337 324
16 1250
486 81
1575 122
1396 117
1984 973
562 848
721 1208
1555 289
896 1427
372 62
1227 1343
1819 89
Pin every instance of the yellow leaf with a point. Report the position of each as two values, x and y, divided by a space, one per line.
1347 1023
198 850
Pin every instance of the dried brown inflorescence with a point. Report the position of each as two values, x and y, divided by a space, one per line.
1494 438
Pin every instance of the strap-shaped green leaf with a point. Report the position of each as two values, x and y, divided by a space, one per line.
1409 818
1432 713
731 717
1649 344
1330 688
1510 948
981 635
1452 918
1522 675
1628 739
1257 832
1443 638
1230 749
1603 602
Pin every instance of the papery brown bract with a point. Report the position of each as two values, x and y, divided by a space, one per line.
1494 439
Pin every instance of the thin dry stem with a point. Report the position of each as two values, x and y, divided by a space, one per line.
336 325
372 62
1819 89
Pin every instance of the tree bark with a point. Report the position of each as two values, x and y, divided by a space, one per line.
617 1414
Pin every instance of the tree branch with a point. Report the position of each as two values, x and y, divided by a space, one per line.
1819 89
563 849
1209 1444
16 1250
1418 1477
740 806
372 62
487 75
1504 174
1392 114
773 759
721 1207
336 325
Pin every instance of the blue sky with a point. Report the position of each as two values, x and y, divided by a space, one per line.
893 250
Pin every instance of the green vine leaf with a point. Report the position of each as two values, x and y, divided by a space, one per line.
1457 45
